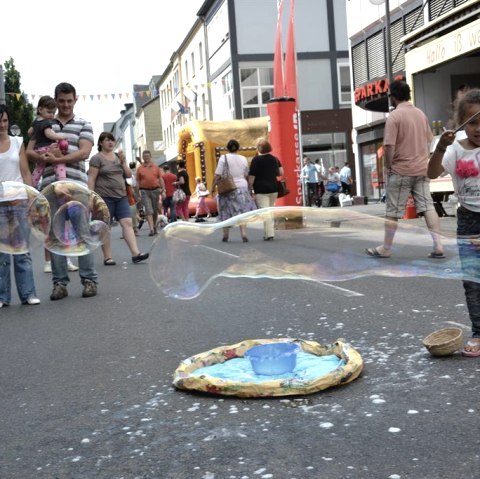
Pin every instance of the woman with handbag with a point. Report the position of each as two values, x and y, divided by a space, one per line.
106 176
181 206
262 179
233 194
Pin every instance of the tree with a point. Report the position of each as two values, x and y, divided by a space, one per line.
21 111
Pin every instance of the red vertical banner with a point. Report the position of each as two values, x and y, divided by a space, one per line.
284 136
291 56
278 77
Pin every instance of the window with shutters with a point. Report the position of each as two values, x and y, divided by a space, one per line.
359 61
376 55
397 53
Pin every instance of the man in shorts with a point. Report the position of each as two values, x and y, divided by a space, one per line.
406 142
151 186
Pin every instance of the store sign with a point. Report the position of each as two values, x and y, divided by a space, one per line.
373 95
367 91
447 47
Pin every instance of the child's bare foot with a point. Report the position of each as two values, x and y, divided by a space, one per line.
472 348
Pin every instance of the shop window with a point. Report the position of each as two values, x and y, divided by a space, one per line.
329 148
373 171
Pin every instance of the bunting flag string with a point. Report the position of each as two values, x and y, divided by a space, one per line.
188 90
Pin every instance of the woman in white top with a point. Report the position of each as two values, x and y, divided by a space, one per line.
14 167
239 200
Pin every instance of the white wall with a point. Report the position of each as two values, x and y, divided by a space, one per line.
314 85
220 105
341 36
256 35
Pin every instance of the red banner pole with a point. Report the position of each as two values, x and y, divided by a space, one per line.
285 137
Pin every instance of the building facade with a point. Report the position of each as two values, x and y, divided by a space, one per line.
241 66
434 45
225 68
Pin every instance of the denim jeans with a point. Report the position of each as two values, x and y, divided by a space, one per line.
468 225
86 268
23 271
169 206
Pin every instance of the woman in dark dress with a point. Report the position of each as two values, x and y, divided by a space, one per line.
182 182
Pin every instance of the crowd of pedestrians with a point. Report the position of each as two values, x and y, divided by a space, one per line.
60 144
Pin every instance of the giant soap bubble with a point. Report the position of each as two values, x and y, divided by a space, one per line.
24 215
314 244
80 218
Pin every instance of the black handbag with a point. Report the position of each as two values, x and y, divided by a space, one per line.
282 188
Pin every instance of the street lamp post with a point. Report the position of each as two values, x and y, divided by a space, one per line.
388 39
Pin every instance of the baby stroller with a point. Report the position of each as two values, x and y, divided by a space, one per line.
330 198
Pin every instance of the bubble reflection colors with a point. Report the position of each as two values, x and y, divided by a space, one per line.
314 244
24 216
80 218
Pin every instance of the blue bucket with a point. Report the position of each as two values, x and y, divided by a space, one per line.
275 358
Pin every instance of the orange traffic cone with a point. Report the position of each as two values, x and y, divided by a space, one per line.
410 210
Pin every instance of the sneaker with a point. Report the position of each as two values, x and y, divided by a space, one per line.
71 266
47 267
59 292
140 257
89 289
32 300
3 305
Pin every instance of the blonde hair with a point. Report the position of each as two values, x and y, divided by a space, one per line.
263 146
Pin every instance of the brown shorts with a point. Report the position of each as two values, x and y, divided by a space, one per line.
399 188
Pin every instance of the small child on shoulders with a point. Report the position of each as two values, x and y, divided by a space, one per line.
46 140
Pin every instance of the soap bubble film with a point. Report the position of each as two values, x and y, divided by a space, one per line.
24 216
323 245
80 219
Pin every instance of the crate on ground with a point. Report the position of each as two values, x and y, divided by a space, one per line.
360 200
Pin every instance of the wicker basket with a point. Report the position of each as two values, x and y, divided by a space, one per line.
444 341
